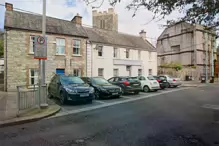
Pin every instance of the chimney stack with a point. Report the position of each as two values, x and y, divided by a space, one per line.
77 19
9 7
142 33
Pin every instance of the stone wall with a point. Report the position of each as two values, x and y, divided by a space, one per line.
19 60
180 74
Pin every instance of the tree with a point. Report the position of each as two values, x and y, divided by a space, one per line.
1 48
204 12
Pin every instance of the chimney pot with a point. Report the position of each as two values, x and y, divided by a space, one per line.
9 6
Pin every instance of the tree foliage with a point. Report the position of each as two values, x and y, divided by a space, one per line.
205 12
172 65
1 48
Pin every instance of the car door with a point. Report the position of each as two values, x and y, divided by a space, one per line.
51 86
57 84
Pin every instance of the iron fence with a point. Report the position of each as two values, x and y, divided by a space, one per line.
28 97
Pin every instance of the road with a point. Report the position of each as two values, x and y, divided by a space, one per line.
180 118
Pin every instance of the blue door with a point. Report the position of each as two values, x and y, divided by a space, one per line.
60 71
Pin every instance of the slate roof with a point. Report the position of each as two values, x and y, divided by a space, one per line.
119 39
26 21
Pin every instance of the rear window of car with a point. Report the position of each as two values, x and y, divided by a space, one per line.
162 78
151 78
129 79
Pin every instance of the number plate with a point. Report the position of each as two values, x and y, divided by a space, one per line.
114 93
135 84
84 95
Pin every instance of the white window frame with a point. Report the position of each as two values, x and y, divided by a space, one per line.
139 72
100 50
77 46
100 71
149 72
57 46
31 49
78 72
127 52
115 52
117 72
35 77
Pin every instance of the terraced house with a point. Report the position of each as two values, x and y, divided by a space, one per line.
73 49
66 47
112 53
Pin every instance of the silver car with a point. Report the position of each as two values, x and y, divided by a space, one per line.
172 81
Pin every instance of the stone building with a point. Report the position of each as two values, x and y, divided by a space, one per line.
66 47
112 53
185 44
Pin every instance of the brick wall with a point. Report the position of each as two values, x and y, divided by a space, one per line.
20 60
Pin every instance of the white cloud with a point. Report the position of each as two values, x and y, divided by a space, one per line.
127 24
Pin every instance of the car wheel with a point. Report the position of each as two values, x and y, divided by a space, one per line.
155 90
146 89
97 94
62 98
175 86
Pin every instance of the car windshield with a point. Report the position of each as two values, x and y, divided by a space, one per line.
71 80
151 78
100 81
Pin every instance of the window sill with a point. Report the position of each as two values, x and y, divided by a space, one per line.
77 55
31 53
60 54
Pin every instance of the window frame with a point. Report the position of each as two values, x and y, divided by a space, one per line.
30 76
73 47
140 71
98 51
115 52
31 41
61 46
149 71
80 72
99 72
116 69
127 53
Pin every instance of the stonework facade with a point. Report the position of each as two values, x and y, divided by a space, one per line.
20 59
105 20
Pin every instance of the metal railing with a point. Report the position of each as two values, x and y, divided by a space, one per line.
28 97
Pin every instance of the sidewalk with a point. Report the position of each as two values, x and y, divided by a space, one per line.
192 84
9 110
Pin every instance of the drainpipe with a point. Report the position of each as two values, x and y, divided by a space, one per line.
6 61
86 59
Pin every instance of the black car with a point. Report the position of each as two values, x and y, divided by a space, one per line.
70 88
103 89
162 81
127 84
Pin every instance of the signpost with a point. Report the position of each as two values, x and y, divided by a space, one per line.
40 48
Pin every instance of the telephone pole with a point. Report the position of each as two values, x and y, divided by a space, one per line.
42 65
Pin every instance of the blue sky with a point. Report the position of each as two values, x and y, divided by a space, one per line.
2 10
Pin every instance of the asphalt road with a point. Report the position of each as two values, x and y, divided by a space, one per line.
174 119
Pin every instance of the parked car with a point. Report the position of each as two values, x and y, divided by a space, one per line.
127 84
172 81
103 89
162 81
148 83
70 88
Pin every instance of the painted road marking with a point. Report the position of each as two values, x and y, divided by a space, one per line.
114 103
98 101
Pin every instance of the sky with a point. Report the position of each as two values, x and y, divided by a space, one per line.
67 9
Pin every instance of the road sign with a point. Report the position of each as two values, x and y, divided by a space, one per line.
40 47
